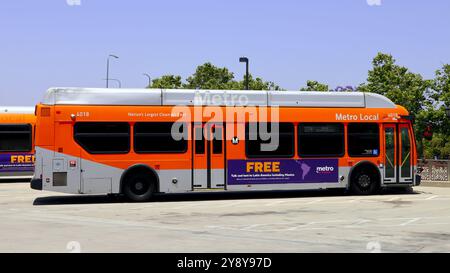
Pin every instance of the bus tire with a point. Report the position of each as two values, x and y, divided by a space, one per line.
139 186
365 180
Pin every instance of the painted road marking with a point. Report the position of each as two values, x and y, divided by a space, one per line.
410 221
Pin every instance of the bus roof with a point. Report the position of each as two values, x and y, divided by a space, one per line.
16 110
163 97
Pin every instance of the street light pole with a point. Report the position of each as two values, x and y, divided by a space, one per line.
116 80
149 79
245 60
107 68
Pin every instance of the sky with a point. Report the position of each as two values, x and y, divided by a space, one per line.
62 43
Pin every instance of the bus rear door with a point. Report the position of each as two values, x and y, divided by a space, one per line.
209 156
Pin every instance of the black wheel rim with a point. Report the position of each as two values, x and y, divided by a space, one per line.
139 186
364 181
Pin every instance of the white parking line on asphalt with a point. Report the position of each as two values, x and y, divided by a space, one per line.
358 223
234 203
410 221
393 199
314 202
274 203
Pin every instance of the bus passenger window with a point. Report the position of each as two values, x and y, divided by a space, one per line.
217 141
363 140
321 140
199 141
15 138
103 137
259 146
156 137
406 153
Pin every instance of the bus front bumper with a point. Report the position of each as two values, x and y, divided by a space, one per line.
36 184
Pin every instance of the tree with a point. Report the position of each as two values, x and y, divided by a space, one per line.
397 83
442 84
255 84
167 82
208 76
315 86
404 88
438 147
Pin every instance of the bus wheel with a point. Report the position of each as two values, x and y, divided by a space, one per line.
365 181
139 186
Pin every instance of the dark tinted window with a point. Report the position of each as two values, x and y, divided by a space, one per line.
389 134
217 141
259 143
15 138
321 140
199 141
103 137
363 139
156 137
406 153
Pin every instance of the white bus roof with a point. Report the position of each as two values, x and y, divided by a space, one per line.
16 110
163 97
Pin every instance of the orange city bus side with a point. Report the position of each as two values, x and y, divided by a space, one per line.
17 142
68 136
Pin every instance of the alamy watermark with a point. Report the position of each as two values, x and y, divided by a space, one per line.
73 247
263 122
73 2
374 2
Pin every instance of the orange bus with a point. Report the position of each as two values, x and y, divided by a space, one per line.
16 142
141 142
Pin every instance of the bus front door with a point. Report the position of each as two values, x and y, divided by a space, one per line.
405 154
208 156
390 154
397 154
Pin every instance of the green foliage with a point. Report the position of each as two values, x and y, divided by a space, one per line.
417 95
167 82
438 147
255 84
397 83
442 84
208 76
315 86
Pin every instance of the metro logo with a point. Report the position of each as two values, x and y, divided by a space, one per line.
23 159
263 167
325 169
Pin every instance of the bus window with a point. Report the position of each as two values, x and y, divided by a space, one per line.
363 139
103 137
217 141
321 140
156 137
199 141
283 148
15 138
